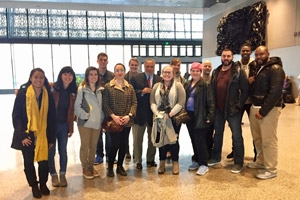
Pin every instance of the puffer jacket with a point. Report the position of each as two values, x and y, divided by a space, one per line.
267 87
237 89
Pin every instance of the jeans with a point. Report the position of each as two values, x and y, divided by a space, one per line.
61 134
99 151
237 138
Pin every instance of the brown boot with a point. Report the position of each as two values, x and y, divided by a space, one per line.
161 168
175 167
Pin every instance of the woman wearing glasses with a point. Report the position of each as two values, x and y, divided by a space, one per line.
168 97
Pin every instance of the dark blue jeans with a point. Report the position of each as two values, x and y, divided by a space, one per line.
99 151
61 134
237 138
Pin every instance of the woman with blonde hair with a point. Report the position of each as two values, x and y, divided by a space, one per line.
168 97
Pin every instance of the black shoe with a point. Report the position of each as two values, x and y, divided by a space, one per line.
110 172
229 156
151 164
36 192
120 170
139 166
44 189
128 157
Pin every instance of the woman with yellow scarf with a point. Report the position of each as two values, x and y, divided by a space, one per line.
33 120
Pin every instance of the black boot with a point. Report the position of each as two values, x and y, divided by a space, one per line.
120 170
36 193
44 189
110 172
43 176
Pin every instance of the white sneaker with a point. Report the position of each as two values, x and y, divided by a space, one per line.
265 174
202 170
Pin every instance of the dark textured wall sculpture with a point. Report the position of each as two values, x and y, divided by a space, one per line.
246 25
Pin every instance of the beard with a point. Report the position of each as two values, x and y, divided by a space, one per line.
262 61
226 63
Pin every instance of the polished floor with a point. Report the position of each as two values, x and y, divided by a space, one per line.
218 183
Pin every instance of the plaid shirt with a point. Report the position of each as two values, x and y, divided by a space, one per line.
119 101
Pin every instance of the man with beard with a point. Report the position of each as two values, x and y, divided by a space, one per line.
230 87
264 113
249 65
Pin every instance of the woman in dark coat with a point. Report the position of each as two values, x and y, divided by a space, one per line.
33 120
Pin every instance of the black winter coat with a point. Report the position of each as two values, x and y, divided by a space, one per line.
267 87
204 103
237 89
19 118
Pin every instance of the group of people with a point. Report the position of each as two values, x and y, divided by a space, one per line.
43 115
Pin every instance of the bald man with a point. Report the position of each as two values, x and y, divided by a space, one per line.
266 97
207 67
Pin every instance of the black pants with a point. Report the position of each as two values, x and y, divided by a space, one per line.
119 142
29 169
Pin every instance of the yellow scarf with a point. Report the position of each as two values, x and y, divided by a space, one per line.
37 122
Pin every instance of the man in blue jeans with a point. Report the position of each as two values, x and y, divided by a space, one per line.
230 87
105 77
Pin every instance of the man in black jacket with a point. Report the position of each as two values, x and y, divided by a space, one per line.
266 97
143 84
230 87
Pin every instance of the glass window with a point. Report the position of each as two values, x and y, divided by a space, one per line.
43 60
60 56
158 50
79 56
96 24
94 50
149 26
22 62
190 50
3 23
167 50
135 50
151 50
174 50
114 25
132 25
166 25
38 23
6 69
17 26
77 24
198 50
143 50
115 55
182 50
58 24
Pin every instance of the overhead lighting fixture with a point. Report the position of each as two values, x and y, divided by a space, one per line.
217 1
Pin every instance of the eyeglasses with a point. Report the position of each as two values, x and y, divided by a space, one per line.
167 72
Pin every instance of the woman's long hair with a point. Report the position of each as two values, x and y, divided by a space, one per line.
46 82
85 82
58 85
